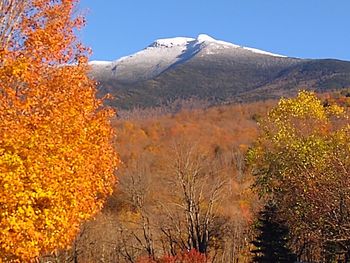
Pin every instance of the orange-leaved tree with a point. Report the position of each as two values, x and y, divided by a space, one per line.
56 158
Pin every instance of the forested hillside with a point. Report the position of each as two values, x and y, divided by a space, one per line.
192 158
185 185
189 151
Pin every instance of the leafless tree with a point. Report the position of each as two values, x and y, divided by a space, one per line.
136 185
195 190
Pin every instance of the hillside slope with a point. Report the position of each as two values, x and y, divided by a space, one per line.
214 70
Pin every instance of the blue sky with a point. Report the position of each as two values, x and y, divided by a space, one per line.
297 28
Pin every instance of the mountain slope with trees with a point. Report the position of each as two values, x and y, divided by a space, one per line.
216 71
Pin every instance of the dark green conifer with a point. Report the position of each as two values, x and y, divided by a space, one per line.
271 243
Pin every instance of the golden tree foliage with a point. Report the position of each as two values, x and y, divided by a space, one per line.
301 159
56 158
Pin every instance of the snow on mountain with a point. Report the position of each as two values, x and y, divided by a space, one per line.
171 42
163 54
258 51
146 63
99 63
202 38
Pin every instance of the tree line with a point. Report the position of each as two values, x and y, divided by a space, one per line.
261 182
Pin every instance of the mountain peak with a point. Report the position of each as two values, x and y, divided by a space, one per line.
165 53
204 37
171 42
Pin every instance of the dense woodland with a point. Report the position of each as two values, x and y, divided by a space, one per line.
187 182
183 185
166 159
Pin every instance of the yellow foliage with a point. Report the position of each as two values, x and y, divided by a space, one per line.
301 160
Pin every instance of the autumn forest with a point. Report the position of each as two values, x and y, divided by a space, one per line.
187 181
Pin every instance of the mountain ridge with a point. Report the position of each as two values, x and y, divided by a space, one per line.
207 68
162 54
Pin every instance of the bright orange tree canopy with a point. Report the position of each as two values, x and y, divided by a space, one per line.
57 162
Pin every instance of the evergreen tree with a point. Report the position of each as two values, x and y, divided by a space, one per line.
271 242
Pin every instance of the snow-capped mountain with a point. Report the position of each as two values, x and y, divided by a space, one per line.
211 69
165 53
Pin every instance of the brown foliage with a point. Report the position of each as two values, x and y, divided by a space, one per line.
191 256
148 210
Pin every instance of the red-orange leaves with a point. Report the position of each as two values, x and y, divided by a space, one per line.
56 159
192 256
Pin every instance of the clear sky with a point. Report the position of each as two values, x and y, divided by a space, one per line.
297 28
